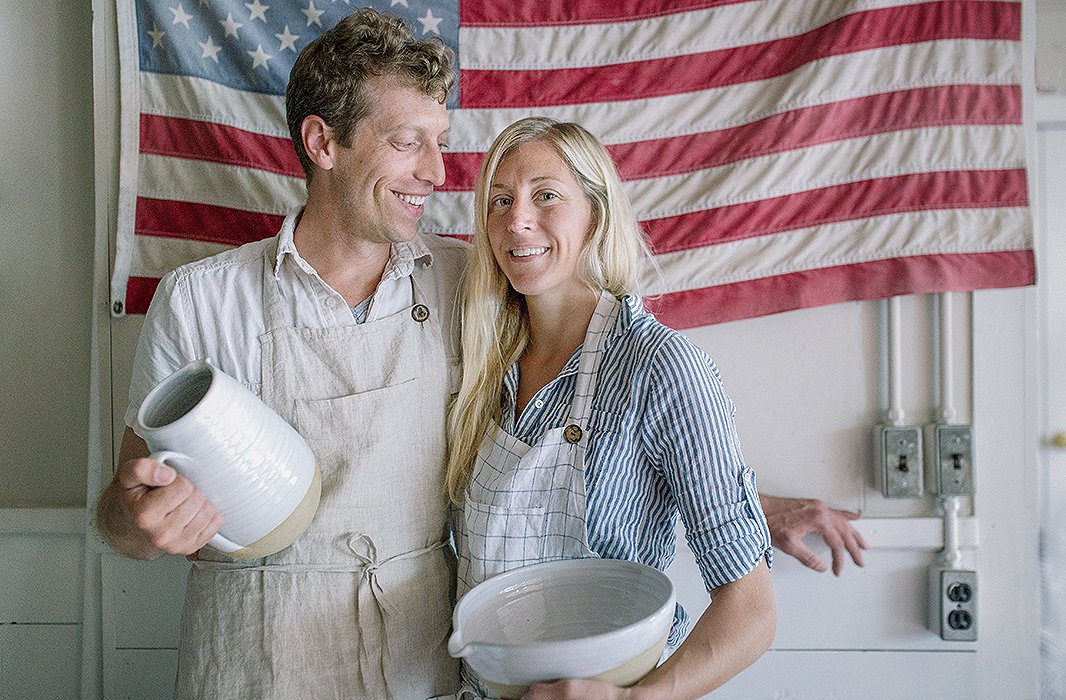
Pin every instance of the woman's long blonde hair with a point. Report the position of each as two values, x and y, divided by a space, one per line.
495 325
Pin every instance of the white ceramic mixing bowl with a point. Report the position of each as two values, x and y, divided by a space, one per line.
577 618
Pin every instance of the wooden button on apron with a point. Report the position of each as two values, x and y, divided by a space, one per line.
420 312
572 434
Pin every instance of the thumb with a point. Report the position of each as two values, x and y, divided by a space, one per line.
145 472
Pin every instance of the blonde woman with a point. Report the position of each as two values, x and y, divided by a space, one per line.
584 427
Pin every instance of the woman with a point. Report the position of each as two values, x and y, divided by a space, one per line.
583 426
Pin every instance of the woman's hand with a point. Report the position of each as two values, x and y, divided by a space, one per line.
579 690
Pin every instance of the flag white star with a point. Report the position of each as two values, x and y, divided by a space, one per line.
394 3
313 14
157 36
260 57
210 50
230 26
257 10
287 39
429 23
205 3
180 16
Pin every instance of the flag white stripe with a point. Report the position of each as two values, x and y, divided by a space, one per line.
472 130
249 189
828 245
188 97
839 162
829 80
678 34
154 256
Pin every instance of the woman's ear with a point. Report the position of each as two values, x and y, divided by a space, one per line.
318 141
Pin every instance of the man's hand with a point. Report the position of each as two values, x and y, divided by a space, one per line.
149 510
791 519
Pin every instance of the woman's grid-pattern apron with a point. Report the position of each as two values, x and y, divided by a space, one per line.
526 503
360 605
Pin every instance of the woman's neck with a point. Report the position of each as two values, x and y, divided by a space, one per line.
555 331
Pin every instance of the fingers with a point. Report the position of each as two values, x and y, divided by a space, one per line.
794 547
165 511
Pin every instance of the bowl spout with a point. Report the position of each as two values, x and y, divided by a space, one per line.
457 648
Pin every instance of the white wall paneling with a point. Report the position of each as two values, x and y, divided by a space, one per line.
40 602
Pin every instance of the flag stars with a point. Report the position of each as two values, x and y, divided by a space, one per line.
394 3
180 15
257 10
429 23
313 14
157 36
209 49
260 58
287 39
230 26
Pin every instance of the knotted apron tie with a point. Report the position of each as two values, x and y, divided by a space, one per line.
365 551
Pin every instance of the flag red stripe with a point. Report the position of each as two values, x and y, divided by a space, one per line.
862 116
478 13
962 189
217 143
203 222
139 292
862 31
861 281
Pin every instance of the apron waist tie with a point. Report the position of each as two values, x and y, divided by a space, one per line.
372 626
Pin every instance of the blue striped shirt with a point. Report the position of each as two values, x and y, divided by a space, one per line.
662 443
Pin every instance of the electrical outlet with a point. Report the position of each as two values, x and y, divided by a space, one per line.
953 604
953 462
900 447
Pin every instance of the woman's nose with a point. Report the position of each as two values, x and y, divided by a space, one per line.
520 217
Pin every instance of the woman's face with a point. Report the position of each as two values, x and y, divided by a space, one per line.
538 221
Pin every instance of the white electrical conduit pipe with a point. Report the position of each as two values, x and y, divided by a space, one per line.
950 556
894 415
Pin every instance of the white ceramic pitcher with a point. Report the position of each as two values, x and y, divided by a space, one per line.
256 470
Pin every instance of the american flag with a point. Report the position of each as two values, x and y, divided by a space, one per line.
781 154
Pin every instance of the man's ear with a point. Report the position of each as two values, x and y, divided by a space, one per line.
318 141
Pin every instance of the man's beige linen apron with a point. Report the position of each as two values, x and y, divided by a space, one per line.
360 605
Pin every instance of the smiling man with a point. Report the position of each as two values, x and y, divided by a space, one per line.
343 324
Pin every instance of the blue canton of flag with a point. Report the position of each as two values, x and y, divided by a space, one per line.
253 45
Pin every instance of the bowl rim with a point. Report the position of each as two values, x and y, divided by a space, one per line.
667 607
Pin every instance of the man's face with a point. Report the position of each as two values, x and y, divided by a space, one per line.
383 179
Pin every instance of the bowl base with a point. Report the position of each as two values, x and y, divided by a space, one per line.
622 676
289 529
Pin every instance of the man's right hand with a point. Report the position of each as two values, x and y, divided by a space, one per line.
149 510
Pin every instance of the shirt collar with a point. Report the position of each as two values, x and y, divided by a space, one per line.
402 257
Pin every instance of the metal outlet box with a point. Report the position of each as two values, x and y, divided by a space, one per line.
900 448
953 460
953 604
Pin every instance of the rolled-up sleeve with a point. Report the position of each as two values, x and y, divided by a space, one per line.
691 437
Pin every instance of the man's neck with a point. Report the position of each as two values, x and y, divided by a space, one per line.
351 265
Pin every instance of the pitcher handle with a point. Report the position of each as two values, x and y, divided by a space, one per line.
174 460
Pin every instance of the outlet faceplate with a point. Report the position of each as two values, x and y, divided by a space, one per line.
953 460
901 461
953 604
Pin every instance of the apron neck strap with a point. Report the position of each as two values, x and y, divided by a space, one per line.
588 364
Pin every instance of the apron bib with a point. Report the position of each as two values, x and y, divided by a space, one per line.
526 503
360 605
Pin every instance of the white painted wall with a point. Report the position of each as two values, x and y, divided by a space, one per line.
807 385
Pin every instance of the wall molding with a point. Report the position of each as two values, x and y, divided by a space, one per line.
57 521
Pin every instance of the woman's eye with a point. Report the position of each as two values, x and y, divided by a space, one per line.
501 202
548 196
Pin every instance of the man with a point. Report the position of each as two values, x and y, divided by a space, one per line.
342 323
